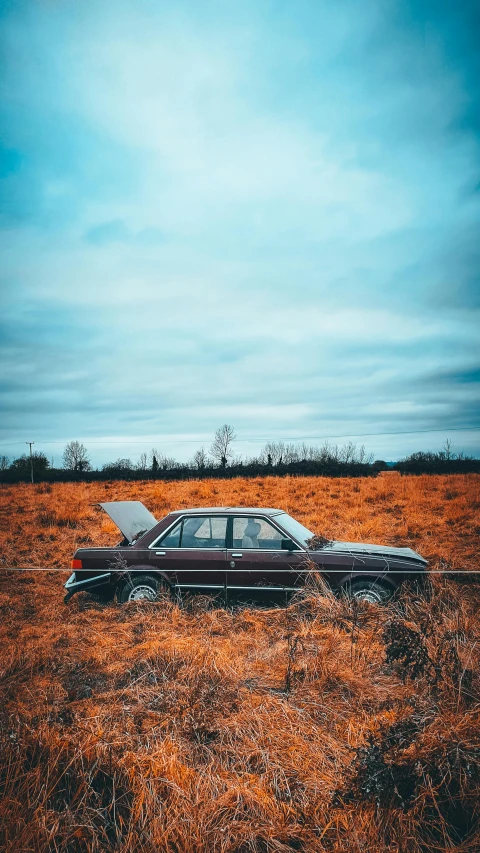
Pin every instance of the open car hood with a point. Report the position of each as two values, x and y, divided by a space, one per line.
131 517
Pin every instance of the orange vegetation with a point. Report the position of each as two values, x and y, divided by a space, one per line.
323 726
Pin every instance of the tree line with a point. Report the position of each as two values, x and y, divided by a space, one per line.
276 457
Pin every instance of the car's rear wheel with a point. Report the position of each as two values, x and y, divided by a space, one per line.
143 588
373 591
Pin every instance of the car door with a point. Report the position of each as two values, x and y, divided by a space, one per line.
193 552
259 555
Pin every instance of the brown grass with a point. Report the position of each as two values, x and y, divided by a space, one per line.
324 726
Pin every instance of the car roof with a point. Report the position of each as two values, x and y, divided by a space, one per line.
231 510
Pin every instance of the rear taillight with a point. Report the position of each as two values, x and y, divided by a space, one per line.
76 564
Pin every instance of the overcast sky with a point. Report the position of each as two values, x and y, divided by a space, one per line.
260 213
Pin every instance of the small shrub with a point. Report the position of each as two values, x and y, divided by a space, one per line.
377 776
406 648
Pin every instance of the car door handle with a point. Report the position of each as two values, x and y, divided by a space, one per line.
237 555
160 553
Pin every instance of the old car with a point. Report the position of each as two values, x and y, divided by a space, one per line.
238 548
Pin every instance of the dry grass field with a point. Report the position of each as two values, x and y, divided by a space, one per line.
327 725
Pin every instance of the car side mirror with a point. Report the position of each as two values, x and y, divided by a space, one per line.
288 545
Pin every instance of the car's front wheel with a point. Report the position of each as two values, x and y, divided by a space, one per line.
373 591
143 588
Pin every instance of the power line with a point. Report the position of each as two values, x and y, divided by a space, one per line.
423 572
174 440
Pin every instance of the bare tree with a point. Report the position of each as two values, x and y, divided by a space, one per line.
348 453
118 467
330 452
272 453
142 463
290 453
448 450
75 457
364 457
199 459
4 463
166 462
159 461
221 448
304 452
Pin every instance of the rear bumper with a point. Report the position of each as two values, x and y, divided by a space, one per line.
73 585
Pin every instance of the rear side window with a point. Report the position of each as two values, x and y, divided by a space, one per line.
196 532
203 532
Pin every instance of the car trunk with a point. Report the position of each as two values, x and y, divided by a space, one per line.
132 518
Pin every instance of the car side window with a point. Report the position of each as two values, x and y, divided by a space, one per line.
250 532
204 532
196 532
172 539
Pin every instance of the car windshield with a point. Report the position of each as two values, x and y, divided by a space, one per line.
294 528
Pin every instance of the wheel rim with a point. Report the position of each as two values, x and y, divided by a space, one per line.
142 592
370 595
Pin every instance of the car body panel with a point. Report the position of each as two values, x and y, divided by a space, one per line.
185 566
251 568
340 568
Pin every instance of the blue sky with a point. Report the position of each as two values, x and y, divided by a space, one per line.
262 213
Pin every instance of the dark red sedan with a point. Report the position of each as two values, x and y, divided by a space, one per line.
220 548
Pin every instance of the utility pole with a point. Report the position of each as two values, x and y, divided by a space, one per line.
31 457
